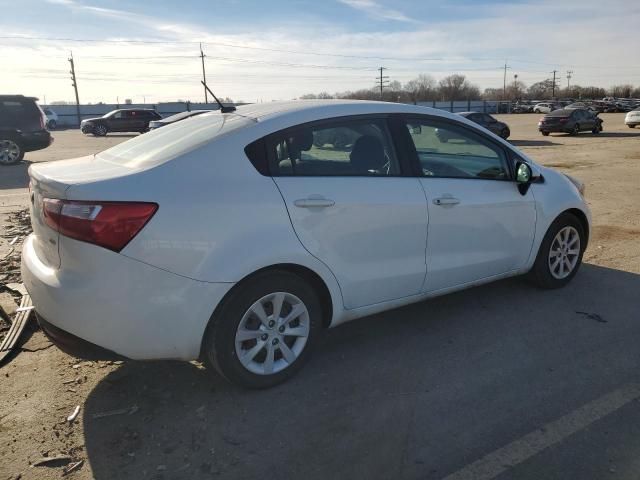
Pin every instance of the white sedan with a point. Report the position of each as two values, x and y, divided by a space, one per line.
632 119
235 238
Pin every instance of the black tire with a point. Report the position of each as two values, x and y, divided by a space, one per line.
52 124
545 134
100 130
631 126
218 346
11 151
540 274
504 134
597 129
576 129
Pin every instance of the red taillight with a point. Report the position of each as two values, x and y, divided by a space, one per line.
110 225
563 120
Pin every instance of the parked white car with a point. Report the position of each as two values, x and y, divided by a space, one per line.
632 119
52 118
544 108
235 238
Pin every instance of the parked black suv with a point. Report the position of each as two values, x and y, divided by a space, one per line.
22 128
123 120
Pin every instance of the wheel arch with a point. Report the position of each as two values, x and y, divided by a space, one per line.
316 281
582 217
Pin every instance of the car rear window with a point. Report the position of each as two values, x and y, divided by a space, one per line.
560 113
161 145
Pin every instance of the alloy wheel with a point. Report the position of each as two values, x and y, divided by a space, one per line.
564 252
9 152
272 333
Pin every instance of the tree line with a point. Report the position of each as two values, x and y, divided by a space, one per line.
424 88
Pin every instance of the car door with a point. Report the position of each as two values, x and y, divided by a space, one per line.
352 207
480 225
117 122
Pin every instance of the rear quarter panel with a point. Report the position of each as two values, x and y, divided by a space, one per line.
218 220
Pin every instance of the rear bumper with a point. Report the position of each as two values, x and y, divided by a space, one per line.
119 304
73 345
32 141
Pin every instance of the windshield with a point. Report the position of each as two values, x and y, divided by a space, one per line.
161 145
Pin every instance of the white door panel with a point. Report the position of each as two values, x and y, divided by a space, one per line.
477 229
370 231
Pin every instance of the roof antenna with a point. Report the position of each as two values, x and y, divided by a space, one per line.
223 109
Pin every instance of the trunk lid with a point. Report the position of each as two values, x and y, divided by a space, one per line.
53 180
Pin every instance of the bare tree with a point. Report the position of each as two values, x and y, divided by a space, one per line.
420 88
457 87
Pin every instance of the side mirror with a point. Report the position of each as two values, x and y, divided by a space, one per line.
523 173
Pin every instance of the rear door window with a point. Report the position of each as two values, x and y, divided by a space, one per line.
334 148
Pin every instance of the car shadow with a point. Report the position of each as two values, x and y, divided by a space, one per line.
14 176
533 143
601 134
121 135
398 394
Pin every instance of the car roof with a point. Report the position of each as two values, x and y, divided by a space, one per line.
300 111
17 97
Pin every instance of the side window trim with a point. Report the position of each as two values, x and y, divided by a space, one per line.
271 141
507 154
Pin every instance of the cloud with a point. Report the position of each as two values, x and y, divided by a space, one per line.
375 10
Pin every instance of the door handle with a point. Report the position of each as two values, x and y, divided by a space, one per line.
446 201
314 202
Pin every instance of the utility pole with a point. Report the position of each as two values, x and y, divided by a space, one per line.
382 80
75 85
553 87
204 75
504 83
569 75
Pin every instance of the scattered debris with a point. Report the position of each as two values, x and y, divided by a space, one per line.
18 288
74 414
120 411
7 305
17 327
72 467
12 242
56 461
593 316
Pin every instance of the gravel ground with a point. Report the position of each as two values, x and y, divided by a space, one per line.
453 386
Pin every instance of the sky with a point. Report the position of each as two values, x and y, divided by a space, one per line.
278 50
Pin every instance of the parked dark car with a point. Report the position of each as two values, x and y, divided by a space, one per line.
487 121
22 128
123 120
175 118
571 121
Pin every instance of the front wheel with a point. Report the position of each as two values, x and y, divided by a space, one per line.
52 124
597 129
560 254
11 152
576 129
545 134
631 126
505 133
100 130
265 331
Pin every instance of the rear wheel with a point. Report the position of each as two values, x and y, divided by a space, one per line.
631 126
560 254
264 332
545 134
597 129
11 152
505 133
576 129
100 130
52 124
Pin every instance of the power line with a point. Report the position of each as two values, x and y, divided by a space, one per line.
298 52
204 76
